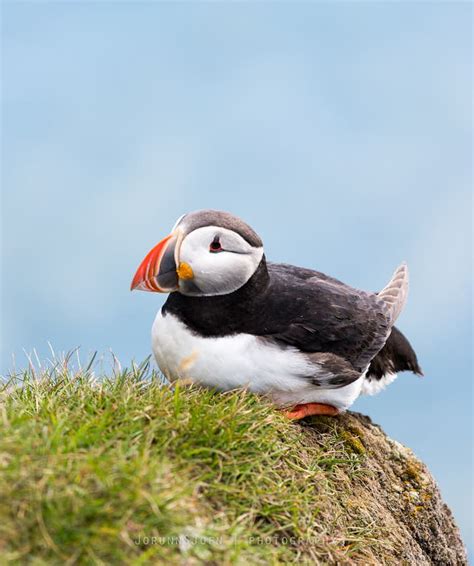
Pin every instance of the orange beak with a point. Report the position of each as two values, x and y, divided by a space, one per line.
158 271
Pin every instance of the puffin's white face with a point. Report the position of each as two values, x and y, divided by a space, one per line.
220 259
202 260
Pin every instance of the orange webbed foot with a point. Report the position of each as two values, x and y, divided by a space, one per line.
307 409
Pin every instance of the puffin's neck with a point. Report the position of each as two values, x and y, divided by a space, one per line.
220 314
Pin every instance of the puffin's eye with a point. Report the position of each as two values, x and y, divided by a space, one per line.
215 246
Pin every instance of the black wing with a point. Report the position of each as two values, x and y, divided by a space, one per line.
319 314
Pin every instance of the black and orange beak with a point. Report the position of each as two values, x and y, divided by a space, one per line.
158 272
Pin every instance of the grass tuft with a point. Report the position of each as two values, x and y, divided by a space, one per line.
126 469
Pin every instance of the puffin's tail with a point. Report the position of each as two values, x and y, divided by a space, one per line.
395 293
397 355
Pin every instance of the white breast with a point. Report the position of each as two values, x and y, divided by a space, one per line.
241 360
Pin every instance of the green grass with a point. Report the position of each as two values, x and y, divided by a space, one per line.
126 470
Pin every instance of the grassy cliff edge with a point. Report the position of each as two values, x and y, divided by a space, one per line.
125 469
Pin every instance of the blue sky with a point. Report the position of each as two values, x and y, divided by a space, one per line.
340 132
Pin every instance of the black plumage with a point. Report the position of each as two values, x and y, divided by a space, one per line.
339 328
396 355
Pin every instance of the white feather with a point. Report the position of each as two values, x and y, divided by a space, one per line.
374 386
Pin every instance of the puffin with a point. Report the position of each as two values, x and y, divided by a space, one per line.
305 340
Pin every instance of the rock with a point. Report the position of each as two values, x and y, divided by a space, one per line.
400 494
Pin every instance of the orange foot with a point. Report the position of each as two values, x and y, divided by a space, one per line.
308 409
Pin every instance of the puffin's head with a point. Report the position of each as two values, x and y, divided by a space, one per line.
207 253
